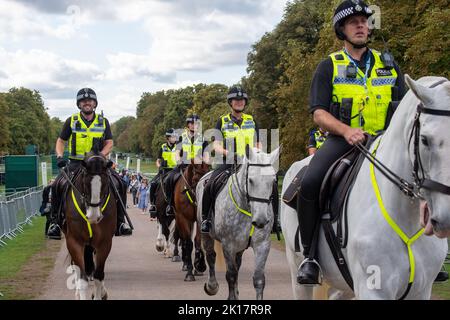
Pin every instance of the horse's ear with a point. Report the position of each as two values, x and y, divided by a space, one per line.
275 157
422 93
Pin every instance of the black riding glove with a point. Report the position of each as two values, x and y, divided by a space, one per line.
61 162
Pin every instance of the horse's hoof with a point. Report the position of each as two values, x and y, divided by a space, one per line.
105 296
176 259
209 291
197 273
189 278
160 248
184 268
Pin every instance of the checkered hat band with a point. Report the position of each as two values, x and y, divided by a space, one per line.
342 15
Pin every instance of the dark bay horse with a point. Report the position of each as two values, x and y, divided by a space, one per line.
91 218
167 238
186 217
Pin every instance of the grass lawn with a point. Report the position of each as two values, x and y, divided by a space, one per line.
148 167
442 290
26 261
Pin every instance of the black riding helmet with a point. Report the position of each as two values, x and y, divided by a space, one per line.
192 118
346 9
170 133
86 93
237 92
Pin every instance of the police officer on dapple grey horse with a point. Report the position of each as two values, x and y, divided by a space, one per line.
243 129
353 92
84 130
165 162
317 138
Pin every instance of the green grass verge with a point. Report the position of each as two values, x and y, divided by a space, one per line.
16 255
442 290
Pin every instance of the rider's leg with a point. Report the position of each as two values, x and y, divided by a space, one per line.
153 186
308 203
207 199
58 192
123 229
170 185
275 206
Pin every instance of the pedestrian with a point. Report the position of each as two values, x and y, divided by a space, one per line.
143 195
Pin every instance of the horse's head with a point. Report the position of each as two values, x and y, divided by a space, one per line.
430 152
95 185
259 174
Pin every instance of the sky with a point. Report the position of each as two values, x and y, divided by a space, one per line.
122 48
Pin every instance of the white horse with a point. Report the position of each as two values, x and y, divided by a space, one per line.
242 206
377 257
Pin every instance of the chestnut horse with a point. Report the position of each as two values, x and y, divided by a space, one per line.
91 218
186 217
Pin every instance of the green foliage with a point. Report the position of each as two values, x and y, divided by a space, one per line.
4 125
28 121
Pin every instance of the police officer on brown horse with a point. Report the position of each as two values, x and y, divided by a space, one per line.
84 131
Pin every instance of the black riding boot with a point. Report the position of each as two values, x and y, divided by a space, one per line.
54 230
276 228
308 213
123 229
442 275
152 207
206 205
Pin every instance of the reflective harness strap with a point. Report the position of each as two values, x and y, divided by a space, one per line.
408 241
252 230
75 202
186 191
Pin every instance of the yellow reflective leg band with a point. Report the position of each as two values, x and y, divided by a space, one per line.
408 241
82 214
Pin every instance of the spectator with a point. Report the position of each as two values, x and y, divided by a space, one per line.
134 186
143 195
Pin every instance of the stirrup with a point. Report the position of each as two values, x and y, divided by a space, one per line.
205 227
314 261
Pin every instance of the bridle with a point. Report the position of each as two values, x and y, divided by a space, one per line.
412 190
246 193
418 173
84 198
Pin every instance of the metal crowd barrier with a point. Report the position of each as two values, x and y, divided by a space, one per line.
16 210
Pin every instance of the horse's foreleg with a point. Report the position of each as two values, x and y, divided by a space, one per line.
199 262
211 286
160 240
176 241
231 274
259 280
76 252
99 274
187 258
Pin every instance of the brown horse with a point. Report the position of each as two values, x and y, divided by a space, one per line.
186 216
91 218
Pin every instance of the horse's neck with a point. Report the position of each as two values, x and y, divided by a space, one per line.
189 173
393 153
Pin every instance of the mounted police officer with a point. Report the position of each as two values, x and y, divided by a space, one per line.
166 161
191 145
354 91
84 131
238 131
317 138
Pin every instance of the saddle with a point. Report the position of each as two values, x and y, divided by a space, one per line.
333 197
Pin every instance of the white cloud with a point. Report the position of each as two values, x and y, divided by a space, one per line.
44 71
200 38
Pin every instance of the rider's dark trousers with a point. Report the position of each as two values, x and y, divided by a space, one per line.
206 200
170 183
154 184
308 200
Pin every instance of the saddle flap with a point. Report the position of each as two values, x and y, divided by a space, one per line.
290 195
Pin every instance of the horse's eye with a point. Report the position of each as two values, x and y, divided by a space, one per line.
424 140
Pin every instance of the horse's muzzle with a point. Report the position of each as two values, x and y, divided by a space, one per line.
260 224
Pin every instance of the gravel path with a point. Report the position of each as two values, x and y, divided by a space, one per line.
136 271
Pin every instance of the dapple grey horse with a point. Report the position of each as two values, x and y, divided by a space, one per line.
250 189
377 257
